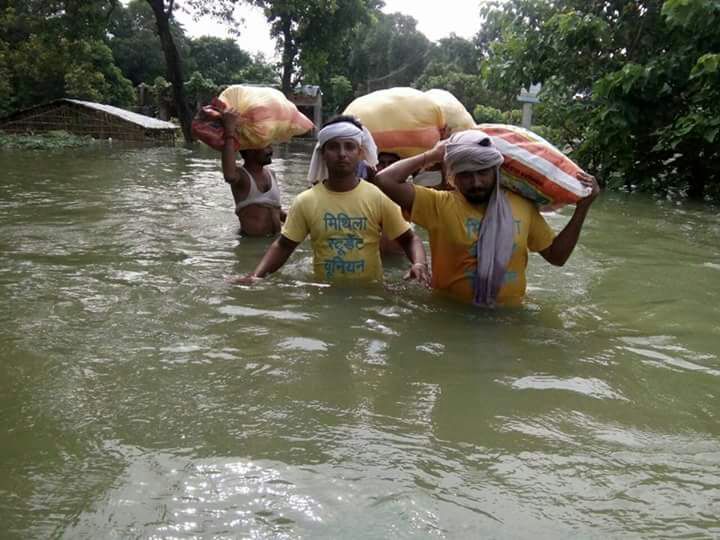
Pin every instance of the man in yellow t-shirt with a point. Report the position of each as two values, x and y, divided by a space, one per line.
345 229
343 214
462 239
454 224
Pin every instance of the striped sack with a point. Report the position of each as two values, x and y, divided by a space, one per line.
534 168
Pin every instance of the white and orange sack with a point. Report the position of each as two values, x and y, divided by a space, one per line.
457 118
534 168
403 121
266 117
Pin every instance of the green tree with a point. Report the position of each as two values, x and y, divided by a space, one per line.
133 38
388 51
218 59
459 52
309 32
7 97
632 86
90 73
485 114
163 10
665 109
200 90
163 18
54 49
259 71
338 94
457 65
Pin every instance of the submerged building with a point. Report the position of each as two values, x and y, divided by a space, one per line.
88 118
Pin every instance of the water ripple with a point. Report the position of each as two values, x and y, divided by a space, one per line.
594 388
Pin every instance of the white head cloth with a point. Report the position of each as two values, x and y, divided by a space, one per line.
472 150
318 169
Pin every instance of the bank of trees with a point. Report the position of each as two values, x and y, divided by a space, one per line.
145 24
630 87
51 49
100 49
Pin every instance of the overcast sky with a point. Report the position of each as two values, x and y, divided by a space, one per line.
435 19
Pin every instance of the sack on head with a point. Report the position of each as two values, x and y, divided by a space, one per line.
266 117
456 115
403 121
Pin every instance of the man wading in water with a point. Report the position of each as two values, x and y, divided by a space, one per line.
480 233
343 214
254 186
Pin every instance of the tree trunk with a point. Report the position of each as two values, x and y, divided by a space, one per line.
174 65
288 55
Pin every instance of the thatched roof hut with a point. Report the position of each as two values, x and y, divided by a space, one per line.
88 118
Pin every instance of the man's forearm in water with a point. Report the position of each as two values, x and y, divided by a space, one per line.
413 247
275 257
415 251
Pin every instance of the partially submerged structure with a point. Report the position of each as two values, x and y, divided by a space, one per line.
308 100
88 118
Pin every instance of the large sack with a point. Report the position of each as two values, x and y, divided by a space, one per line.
402 121
457 117
207 125
266 117
534 168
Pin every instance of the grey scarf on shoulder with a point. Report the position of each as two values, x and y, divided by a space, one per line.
473 150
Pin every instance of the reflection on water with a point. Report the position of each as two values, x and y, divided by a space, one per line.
143 396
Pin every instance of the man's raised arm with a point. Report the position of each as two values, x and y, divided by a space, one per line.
230 172
562 247
392 180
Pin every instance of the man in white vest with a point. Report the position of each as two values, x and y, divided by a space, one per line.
254 185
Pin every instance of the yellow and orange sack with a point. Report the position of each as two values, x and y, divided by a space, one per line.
534 168
266 117
457 118
402 121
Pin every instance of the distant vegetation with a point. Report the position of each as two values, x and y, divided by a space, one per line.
630 88
52 140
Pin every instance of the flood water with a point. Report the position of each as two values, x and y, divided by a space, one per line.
141 396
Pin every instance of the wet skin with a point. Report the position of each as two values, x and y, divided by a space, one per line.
257 219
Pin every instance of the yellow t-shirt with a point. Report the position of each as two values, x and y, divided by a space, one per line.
345 229
454 224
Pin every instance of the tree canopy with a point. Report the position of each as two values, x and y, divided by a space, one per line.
629 87
54 49
310 32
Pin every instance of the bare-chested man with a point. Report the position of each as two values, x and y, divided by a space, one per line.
254 186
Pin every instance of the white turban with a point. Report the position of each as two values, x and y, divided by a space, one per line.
318 169
472 150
